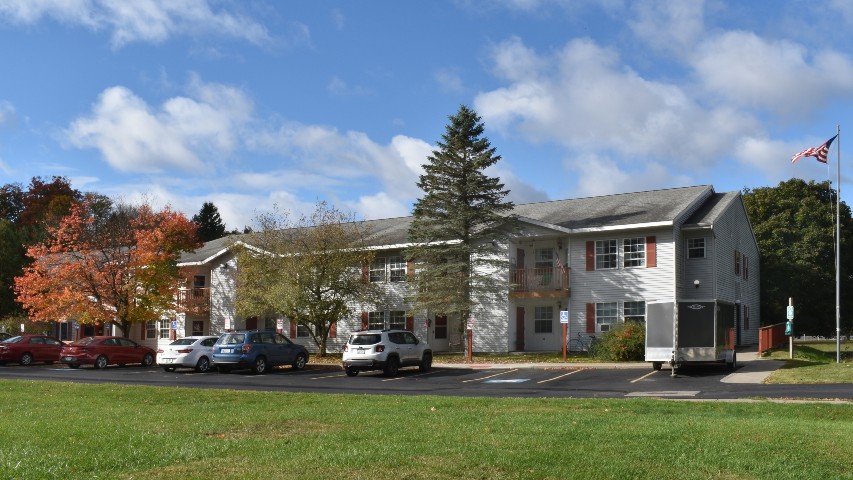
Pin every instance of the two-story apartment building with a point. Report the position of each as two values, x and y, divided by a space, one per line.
602 259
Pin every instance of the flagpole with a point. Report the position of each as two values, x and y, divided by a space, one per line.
838 250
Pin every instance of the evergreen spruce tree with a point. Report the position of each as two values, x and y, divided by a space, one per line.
210 226
460 225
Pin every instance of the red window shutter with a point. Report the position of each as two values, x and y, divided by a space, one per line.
590 318
590 256
364 320
651 252
333 330
293 329
410 323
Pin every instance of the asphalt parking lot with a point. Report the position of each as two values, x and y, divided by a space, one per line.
698 383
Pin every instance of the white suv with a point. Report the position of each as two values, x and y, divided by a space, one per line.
385 350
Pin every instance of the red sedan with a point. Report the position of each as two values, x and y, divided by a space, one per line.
103 351
26 349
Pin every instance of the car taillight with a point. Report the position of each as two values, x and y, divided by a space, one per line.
247 348
186 350
380 348
159 350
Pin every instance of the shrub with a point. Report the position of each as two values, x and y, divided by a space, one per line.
625 342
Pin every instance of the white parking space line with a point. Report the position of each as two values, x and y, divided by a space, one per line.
490 376
645 376
559 376
329 376
684 393
408 376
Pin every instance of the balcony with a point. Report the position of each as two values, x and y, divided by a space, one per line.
548 282
194 300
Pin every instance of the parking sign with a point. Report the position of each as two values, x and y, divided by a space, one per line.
564 316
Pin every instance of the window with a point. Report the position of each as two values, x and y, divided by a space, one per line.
543 320
745 267
377 270
303 331
198 281
396 269
605 254
695 248
737 263
606 315
634 252
151 329
635 311
376 320
198 327
746 317
397 319
164 327
270 324
544 266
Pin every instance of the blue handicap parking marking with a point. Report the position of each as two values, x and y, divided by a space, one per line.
512 380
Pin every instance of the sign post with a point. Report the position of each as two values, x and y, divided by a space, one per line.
564 319
790 331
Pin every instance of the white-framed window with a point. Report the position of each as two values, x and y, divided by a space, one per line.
397 319
164 327
695 248
634 311
151 329
606 315
303 331
391 269
198 327
543 319
396 269
376 320
543 263
606 254
634 252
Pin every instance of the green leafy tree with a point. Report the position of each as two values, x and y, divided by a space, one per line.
794 225
309 271
12 260
210 225
460 224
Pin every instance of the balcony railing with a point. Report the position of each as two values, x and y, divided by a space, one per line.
532 282
194 300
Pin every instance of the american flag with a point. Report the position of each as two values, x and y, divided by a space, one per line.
818 153
559 263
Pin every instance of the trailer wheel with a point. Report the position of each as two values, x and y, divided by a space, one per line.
657 365
733 363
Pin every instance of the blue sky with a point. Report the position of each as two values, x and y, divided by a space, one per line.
252 104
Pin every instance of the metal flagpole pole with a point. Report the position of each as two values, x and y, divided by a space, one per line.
838 251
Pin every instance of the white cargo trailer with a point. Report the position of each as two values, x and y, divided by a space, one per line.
690 331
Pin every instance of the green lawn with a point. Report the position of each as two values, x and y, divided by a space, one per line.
70 431
814 362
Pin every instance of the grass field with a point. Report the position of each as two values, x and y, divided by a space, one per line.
76 431
814 362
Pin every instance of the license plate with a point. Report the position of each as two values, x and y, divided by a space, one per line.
227 350
168 360
68 359
360 350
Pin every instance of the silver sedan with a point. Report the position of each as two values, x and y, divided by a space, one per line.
190 352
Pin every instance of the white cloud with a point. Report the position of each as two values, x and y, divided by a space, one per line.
583 98
8 116
151 21
780 76
134 137
603 176
449 80
669 26
380 205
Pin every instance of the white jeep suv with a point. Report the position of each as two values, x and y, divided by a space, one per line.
385 350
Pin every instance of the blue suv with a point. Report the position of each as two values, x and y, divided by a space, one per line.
258 351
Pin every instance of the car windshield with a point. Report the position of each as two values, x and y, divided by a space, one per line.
232 339
184 341
13 339
365 339
85 341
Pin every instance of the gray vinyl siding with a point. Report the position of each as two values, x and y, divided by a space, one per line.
223 295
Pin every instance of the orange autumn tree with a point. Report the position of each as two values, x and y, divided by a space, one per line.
95 268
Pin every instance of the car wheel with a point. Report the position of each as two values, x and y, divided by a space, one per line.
101 362
147 360
351 372
426 363
260 365
169 369
203 365
73 365
26 359
300 362
392 366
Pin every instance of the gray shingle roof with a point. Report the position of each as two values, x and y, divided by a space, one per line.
712 209
579 213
